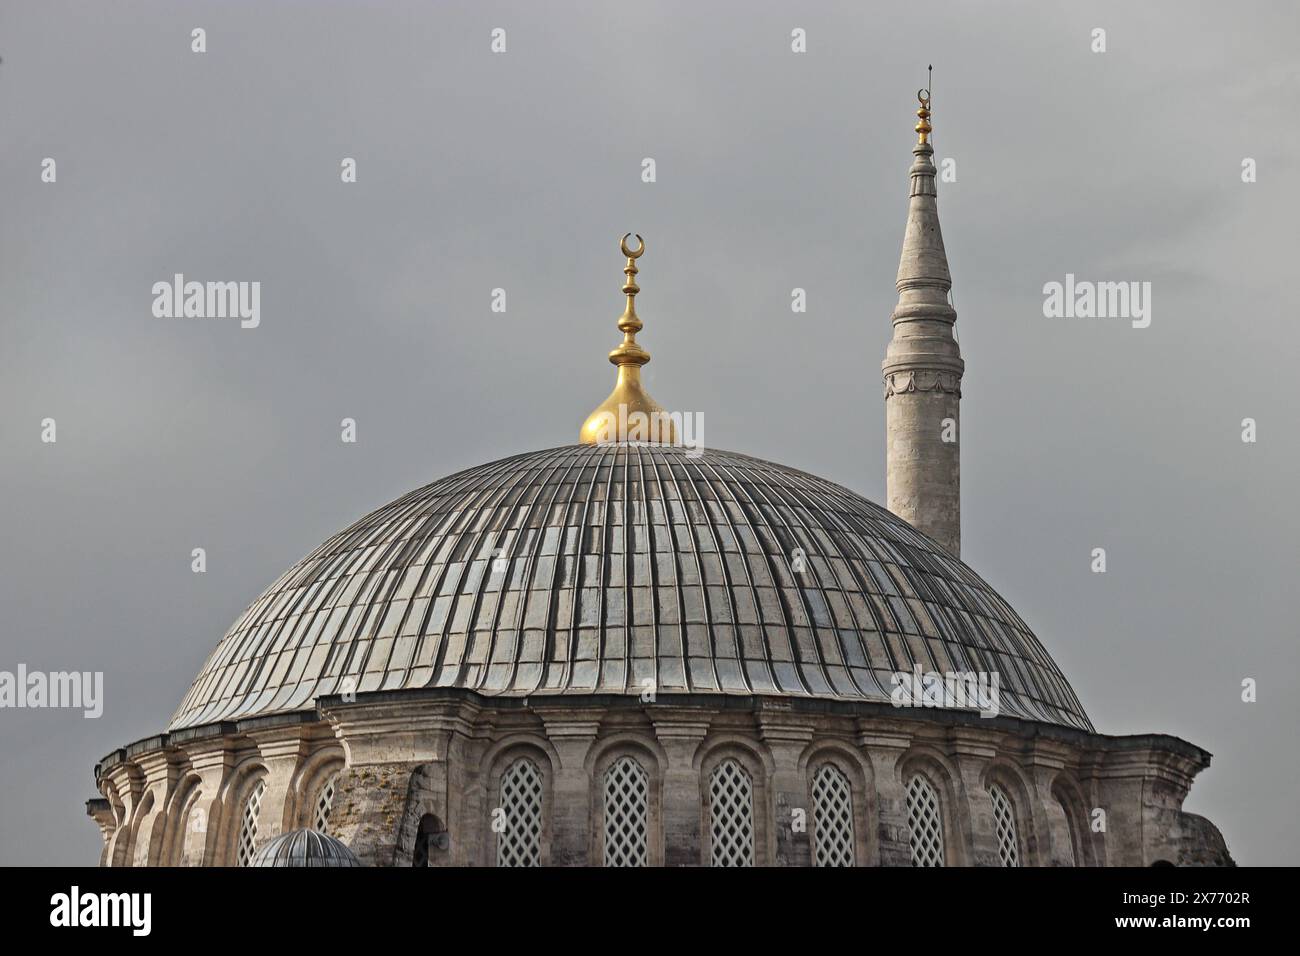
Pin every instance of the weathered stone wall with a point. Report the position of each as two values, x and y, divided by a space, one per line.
438 756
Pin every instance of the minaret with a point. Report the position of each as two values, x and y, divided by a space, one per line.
923 367
629 414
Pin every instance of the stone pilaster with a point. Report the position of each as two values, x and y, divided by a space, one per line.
972 751
1048 835
680 732
467 793
571 732
159 773
281 757
201 843
787 737
101 811
127 782
884 749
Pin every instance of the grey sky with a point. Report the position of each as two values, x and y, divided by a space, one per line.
520 171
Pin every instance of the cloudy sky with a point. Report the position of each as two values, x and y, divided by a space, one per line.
519 171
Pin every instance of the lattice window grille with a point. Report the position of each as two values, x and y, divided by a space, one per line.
832 818
1004 825
627 795
324 804
248 826
520 843
731 813
925 823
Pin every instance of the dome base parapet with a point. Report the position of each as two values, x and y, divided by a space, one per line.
430 795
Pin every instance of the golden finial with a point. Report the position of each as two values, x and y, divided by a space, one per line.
629 323
629 414
923 128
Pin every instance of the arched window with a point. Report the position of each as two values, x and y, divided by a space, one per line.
248 824
324 804
430 842
1004 826
832 817
731 815
519 842
627 793
925 822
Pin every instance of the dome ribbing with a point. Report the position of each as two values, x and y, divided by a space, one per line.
596 568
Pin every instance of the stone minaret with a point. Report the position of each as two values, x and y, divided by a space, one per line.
923 368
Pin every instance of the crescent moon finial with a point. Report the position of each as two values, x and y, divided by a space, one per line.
614 419
628 252
923 127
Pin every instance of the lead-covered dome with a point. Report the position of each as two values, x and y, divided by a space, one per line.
592 569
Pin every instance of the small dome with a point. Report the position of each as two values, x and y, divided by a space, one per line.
304 848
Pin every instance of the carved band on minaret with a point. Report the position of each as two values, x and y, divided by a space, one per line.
923 380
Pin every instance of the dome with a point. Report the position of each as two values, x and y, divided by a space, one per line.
617 568
304 848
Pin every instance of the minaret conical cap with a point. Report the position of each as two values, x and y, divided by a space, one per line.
924 261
